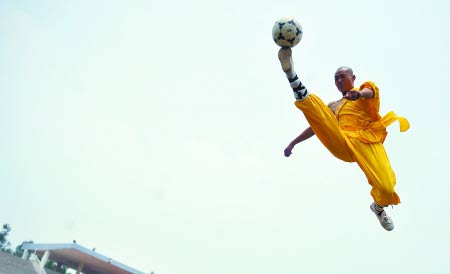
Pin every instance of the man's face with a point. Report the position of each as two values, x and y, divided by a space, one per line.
344 80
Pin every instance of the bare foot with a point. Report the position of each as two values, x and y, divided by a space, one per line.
285 57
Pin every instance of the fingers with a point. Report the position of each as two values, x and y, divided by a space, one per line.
352 95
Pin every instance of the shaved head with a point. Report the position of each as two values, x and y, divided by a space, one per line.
344 68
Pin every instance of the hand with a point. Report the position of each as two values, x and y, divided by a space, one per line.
288 151
352 95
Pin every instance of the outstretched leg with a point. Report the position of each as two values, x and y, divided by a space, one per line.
319 116
285 57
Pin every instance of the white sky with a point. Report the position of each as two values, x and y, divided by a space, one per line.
154 131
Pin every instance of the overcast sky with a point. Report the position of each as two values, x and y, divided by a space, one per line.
154 131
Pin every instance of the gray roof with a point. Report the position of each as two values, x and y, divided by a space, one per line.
10 264
72 255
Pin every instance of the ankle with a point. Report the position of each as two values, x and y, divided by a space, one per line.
291 75
378 208
300 91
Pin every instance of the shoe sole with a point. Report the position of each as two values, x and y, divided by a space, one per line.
285 57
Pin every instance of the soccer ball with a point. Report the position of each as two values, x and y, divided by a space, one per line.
287 32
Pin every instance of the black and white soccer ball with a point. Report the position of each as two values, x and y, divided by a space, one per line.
287 32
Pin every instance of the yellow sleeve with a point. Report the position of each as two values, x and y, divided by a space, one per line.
372 86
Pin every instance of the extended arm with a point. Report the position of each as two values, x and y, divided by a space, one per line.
306 134
366 93
353 95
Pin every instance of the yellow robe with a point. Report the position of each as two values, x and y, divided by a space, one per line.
356 134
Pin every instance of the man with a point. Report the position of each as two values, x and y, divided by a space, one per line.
351 129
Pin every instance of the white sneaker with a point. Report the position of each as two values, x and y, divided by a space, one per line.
385 221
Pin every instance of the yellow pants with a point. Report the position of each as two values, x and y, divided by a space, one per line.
371 158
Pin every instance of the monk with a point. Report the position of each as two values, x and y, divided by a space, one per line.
351 128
